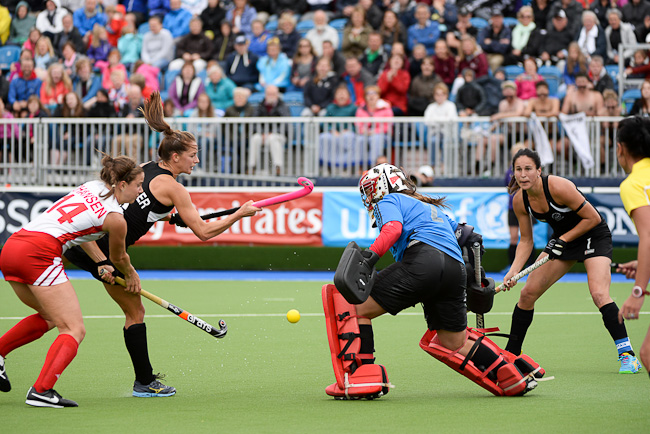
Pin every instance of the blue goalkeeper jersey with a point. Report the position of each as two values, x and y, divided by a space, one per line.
420 221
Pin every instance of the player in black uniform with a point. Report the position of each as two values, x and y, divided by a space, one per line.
161 193
580 234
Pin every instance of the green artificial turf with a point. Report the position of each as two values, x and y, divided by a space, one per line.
268 375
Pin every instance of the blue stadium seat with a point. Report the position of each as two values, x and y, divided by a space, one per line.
169 78
478 22
271 26
552 76
612 70
256 98
339 23
8 55
512 71
629 96
304 25
510 21
296 110
143 28
293 97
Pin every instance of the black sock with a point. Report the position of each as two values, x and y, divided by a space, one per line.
135 338
483 358
367 341
617 331
512 249
521 320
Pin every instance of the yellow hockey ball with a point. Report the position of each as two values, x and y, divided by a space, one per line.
293 316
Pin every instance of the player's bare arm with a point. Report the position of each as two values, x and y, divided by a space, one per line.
170 192
116 226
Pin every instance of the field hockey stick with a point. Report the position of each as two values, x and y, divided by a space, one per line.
476 249
192 319
307 187
524 272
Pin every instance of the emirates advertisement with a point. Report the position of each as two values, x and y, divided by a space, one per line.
297 222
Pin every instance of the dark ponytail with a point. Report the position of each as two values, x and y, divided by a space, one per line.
174 141
412 191
525 152
634 136
118 169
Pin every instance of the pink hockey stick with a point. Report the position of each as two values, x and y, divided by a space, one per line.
307 187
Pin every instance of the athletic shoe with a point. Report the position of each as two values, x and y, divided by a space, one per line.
49 398
5 385
153 389
629 364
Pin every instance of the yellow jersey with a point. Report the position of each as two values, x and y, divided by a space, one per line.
634 189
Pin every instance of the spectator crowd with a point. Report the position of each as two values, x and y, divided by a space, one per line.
435 58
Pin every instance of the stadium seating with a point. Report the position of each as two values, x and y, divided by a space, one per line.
510 21
552 76
629 96
612 70
479 22
512 71
295 101
304 26
271 26
256 98
339 23
8 55
143 28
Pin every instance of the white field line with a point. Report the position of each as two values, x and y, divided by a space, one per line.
267 315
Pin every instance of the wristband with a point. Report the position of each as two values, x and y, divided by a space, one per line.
104 262
639 292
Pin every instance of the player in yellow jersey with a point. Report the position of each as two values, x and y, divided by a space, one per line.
633 154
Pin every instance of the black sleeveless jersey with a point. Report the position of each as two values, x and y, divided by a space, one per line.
561 218
146 210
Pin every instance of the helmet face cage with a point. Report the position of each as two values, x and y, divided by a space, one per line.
380 181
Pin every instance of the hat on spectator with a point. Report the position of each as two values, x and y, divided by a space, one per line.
560 14
464 11
508 84
497 12
426 170
240 39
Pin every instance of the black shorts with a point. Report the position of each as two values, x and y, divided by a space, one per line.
79 258
512 218
596 242
428 276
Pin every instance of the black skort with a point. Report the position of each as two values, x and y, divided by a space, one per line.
428 276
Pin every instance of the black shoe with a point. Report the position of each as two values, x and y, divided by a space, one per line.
5 385
49 398
153 389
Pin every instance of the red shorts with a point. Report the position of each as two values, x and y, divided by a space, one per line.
33 258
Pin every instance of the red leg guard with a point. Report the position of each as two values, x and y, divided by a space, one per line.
353 378
510 381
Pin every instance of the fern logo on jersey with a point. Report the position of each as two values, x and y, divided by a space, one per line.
557 216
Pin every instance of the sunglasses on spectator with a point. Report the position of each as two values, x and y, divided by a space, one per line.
542 94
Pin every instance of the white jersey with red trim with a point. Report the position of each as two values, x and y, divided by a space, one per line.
77 217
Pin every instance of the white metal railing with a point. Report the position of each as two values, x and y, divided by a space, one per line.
57 151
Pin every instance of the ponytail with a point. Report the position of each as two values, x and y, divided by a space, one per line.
116 170
634 135
412 191
174 141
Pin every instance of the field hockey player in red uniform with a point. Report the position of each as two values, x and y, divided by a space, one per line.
31 261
